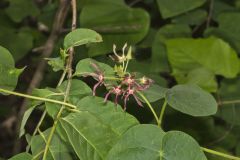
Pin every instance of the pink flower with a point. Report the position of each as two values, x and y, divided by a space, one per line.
115 90
127 94
97 75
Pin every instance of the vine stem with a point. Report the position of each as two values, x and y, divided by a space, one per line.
37 128
38 98
69 82
149 105
220 154
162 113
229 102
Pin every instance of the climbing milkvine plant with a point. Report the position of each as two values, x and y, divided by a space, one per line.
89 127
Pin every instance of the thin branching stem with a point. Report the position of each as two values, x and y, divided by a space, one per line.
149 106
162 113
69 82
220 154
37 98
229 102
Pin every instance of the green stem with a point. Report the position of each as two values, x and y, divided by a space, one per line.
113 78
37 128
38 98
37 155
162 113
126 66
220 154
229 102
52 133
149 105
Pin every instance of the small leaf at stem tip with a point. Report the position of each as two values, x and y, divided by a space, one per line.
81 36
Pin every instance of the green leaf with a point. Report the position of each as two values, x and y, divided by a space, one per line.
159 59
195 17
84 67
199 76
168 8
154 93
117 24
9 74
192 100
151 143
78 89
57 149
56 63
19 44
20 9
228 29
80 37
89 137
213 54
21 156
26 115
107 112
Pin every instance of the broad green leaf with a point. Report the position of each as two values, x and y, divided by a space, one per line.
44 93
228 29
19 44
192 100
108 113
20 9
117 24
195 17
151 143
22 156
180 146
168 8
212 53
90 137
154 93
26 115
229 90
85 67
159 59
9 74
81 36
78 89
200 76
57 150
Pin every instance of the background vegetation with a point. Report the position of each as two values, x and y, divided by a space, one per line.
174 42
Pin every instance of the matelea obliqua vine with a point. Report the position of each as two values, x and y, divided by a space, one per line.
127 84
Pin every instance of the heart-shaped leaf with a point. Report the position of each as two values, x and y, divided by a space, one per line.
151 143
192 100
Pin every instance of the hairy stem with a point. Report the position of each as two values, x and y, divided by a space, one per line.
162 113
38 98
220 154
69 82
149 106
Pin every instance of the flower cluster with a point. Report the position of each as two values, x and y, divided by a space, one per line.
125 84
